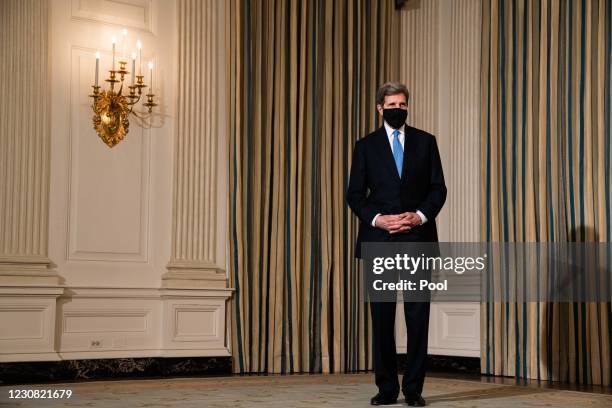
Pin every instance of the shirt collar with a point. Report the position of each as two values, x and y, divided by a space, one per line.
390 130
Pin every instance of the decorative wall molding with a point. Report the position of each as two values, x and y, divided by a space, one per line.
458 335
440 65
110 208
108 192
22 270
134 14
24 136
107 302
419 63
457 329
440 62
193 321
27 321
199 166
194 275
460 120
34 315
94 323
85 321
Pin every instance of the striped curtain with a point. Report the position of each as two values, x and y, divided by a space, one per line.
303 78
546 145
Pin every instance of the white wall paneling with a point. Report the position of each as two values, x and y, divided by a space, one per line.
97 322
27 323
139 322
135 14
108 204
29 285
440 60
110 208
199 197
454 329
24 141
419 62
459 118
457 328
86 231
195 321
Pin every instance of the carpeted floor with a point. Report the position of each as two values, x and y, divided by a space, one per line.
302 391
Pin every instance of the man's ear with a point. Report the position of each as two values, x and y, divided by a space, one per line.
379 108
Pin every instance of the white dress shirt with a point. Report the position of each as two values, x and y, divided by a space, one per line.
401 138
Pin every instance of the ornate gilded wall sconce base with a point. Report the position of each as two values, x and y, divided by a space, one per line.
110 117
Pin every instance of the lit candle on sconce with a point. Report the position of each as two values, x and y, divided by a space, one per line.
124 54
139 46
112 106
151 76
114 41
133 66
97 65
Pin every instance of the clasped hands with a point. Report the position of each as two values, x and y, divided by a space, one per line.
396 223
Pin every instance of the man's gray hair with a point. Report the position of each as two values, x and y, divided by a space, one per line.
391 88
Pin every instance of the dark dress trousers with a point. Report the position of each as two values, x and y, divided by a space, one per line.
375 187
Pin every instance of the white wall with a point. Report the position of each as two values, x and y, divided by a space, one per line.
440 64
110 211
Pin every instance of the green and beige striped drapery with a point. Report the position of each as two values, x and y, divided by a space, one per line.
303 77
546 147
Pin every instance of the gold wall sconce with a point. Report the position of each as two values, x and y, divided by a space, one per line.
112 107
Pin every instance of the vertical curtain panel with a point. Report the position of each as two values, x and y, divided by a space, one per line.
545 129
303 77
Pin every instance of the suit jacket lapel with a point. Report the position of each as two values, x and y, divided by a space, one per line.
386 152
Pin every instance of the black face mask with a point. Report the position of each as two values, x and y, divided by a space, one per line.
395 117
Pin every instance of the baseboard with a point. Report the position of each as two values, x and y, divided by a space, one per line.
112 368
448 364
152 367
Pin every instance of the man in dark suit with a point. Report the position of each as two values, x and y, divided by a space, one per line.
397 189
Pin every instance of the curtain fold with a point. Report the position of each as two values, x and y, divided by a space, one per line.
302 82
545 131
